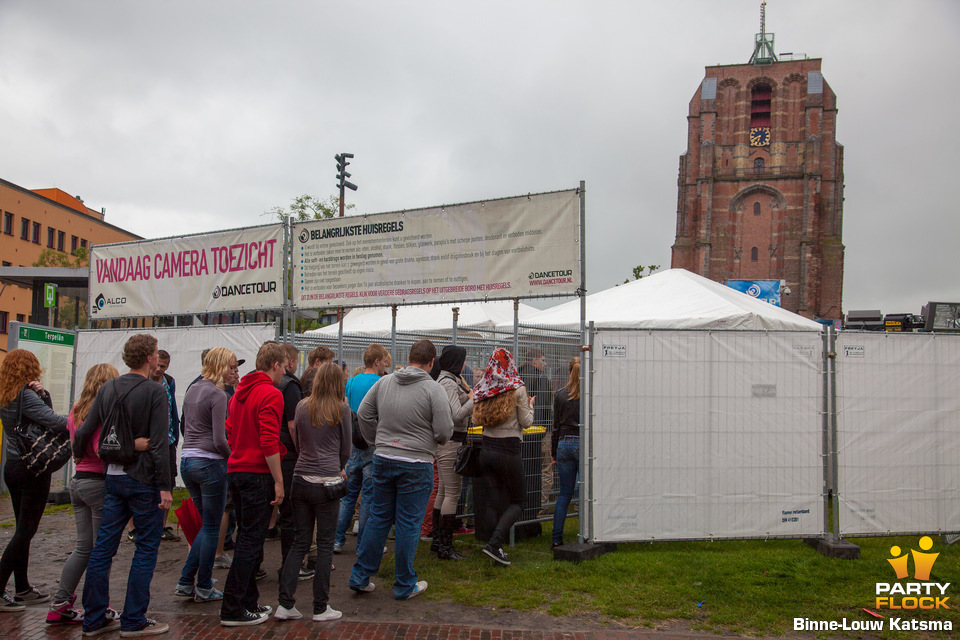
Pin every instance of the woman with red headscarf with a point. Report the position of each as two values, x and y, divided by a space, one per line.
502 407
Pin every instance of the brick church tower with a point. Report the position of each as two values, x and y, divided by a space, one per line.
761 182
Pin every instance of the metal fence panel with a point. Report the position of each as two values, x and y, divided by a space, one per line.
706 435
558 347
898 433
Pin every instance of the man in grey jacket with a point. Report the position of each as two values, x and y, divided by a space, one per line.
407 415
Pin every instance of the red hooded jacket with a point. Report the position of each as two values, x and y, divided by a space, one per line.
253 424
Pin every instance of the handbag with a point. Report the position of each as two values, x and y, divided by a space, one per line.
189 519
42 450
468 460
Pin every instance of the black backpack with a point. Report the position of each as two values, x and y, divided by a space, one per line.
116 437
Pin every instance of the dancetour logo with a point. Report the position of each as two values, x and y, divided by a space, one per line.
557 276
897 598
250 288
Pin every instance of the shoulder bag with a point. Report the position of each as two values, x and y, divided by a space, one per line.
42 450
468 459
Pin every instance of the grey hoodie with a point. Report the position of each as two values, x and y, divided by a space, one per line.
407 415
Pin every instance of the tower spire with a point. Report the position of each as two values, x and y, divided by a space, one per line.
763 44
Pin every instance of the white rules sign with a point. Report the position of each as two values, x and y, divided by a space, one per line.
526 246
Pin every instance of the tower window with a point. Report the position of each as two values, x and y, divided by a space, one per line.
758 167
756 208
754 255
760 99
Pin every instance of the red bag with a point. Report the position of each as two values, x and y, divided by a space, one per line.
189 518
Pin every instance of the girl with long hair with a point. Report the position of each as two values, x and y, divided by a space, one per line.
565 446
447 369
502 407
322 428
203 466
20 390
86 497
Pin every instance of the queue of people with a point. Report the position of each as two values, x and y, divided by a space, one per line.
274 447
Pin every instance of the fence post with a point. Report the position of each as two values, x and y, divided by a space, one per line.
586 437
516 328
393 335
340 336
456 317
834 461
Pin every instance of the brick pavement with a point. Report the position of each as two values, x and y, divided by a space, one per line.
31 625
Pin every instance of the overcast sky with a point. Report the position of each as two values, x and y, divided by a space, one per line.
184 117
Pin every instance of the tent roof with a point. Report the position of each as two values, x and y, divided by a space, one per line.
675 299
428 317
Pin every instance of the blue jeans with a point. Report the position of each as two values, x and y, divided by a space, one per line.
400 495
359 471
123 497
568 466
206 480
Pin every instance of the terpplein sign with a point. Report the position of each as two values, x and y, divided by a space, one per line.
526 246
213 272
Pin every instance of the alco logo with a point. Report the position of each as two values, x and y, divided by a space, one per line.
920 593
100 302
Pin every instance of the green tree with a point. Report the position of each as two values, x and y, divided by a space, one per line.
307 207
52 258
638 271
302 208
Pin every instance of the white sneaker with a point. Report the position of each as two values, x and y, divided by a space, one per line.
356 527
328 615
367 589
418 588
222 561
287 614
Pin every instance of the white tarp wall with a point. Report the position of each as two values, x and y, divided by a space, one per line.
185 344
706 435
898 433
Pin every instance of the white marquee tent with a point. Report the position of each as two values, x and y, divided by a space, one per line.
674 299
428 318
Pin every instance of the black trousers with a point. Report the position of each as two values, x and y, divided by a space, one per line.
252 494
314 506
28 493
501 466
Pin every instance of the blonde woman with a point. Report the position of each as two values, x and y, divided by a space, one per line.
565 446
86 497
203 466
321 432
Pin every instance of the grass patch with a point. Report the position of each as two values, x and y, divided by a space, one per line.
744 587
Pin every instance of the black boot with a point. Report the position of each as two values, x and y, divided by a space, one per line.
435 545
447 552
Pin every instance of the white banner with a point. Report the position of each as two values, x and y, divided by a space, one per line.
233 270
526 246
707 435
898 432
184 344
